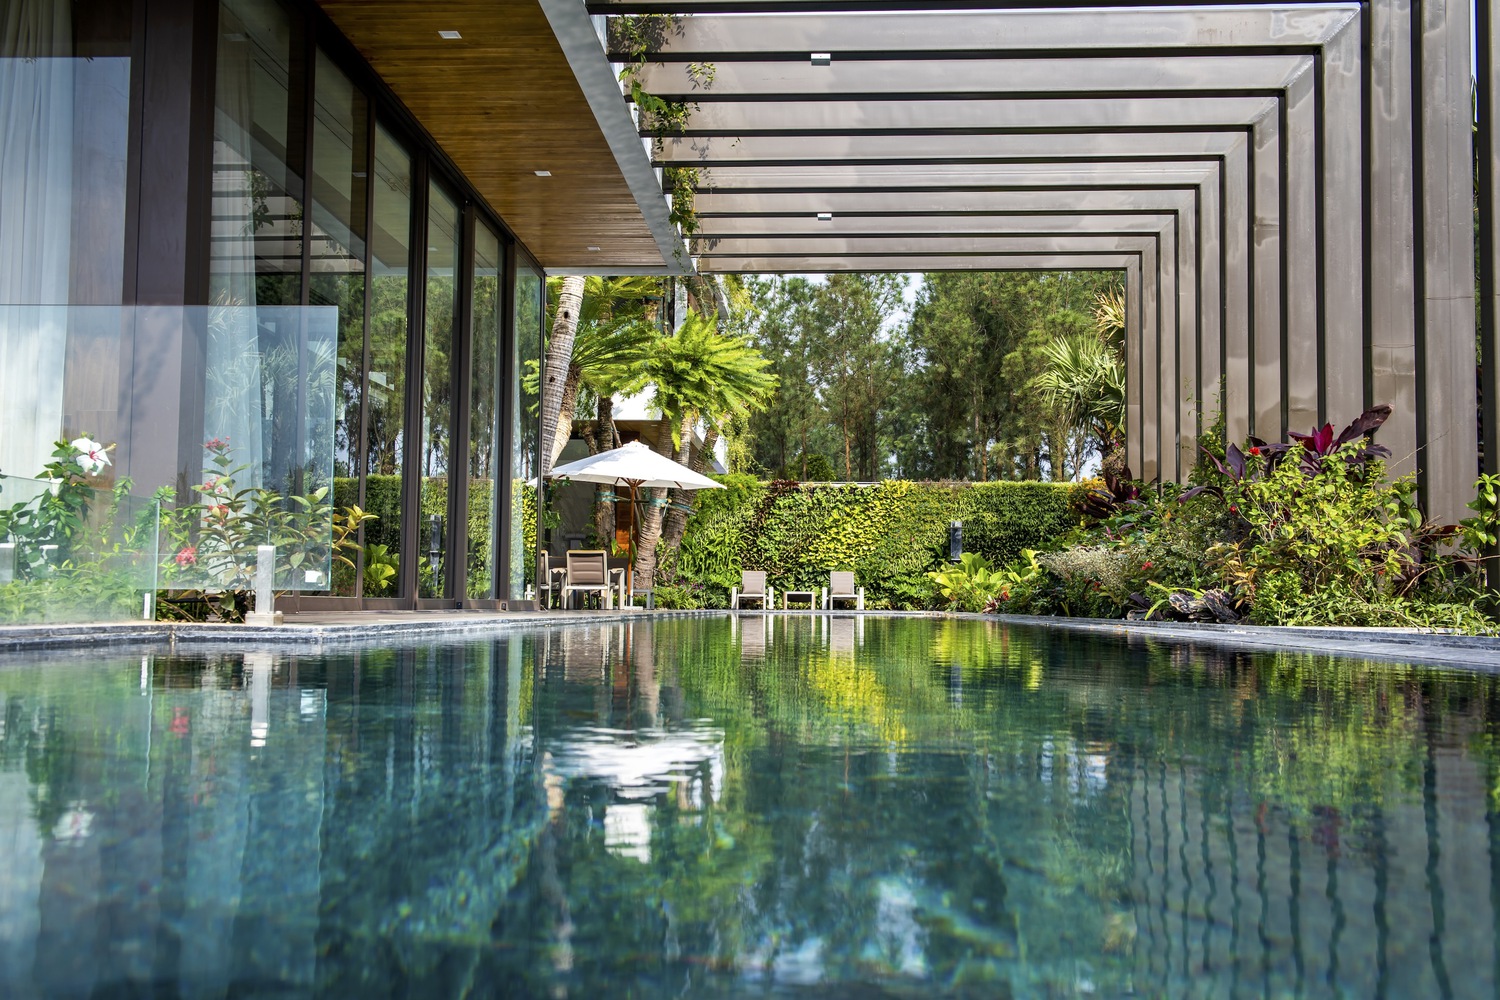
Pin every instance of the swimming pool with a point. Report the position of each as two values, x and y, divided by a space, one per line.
795 806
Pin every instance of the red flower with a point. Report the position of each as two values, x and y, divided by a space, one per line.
1146 564
219 510
1255 450
1233 509
1004 595
188 556
216 444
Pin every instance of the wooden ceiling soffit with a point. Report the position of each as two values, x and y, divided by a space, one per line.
526 87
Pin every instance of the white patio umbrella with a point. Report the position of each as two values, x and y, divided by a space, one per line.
636 466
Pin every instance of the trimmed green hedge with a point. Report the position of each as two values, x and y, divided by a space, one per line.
890 534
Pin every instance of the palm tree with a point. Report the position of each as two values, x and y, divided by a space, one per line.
613 328
1085 382
697 374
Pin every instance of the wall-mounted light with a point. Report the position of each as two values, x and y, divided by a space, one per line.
542 173
592 249
450 35
822 58
825 216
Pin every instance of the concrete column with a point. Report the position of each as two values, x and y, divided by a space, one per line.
1445 356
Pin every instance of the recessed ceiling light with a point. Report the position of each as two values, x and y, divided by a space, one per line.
825 216
450 35
592 249
822 58
542 173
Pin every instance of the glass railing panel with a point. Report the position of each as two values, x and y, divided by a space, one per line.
230 407
70 553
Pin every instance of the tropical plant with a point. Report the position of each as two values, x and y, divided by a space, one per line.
972 584
1085 382
211 545
697 374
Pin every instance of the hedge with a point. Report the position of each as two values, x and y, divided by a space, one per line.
890 534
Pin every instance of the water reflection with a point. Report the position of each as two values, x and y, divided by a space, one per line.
827 805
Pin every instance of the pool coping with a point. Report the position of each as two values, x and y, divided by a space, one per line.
1402 645
1405 645
301 636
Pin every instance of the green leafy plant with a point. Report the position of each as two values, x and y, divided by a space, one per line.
381 567
972 584
211 545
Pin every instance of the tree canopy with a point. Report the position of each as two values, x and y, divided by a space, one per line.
947 388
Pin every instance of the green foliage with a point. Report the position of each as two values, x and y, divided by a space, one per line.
97 546
973 585
891 535
381 566
1305 534
1084 381
1482 531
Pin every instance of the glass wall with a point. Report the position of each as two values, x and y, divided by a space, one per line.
339 200
64 141
485 430
441 311
255 256
385 404
526 359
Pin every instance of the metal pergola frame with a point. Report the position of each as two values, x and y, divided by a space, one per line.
1321 264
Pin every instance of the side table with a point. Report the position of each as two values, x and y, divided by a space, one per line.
788 596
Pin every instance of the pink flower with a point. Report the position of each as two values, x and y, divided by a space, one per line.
216 444
215 487
188 556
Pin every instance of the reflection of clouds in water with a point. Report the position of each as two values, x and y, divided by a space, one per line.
641 763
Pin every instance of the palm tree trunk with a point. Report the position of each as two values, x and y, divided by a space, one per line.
651 521
564 429
604 510
676 520
559 361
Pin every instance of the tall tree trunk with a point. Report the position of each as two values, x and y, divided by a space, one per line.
565 408
604 509
559 361
676 520
651 520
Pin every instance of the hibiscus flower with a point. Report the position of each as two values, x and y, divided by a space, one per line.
91 457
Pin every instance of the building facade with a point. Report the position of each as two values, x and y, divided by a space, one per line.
222 224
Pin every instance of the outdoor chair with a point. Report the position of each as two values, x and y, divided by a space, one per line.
549 581
753 587
588 572
841 588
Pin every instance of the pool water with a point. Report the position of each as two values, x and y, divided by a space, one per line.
799 806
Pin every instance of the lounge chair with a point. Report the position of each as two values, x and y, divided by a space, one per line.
753 586
841 588
588 572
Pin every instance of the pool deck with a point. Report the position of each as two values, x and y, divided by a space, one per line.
311 631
